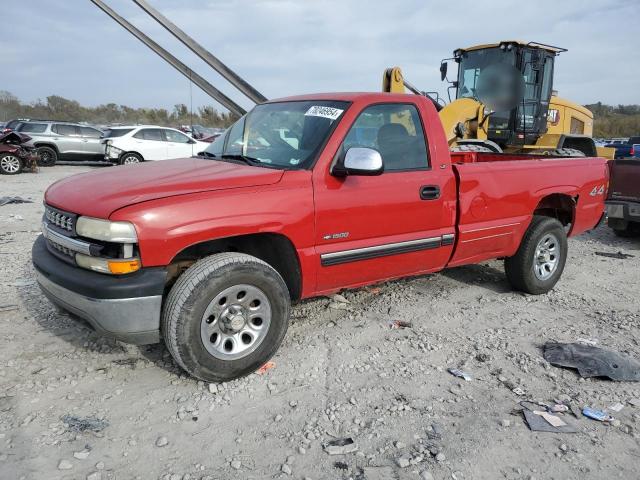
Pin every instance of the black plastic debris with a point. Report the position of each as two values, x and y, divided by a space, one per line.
80 424
7 200
618 255
341 466
340 446
592 361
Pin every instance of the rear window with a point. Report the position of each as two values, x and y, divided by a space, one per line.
116 132
90 132
31 127
634 140
12 124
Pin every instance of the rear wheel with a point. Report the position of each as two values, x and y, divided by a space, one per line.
129 158
539 262
10 164
226 316
47 156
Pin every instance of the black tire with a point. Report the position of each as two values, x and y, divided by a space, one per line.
129 158
193 294
565 152
631 231
521 268
10 164
47 156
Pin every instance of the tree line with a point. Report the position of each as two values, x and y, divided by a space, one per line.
609 121
56 107
615 121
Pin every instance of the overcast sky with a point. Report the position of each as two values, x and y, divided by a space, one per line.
285 47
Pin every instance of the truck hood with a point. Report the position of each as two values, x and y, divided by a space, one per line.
102 192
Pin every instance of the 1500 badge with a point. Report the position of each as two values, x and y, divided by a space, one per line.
597 191
336 236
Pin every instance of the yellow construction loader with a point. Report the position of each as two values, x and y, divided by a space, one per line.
505 102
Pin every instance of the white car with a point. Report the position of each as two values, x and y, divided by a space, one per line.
141 143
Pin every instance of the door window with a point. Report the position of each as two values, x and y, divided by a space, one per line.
176 137
154 134
67 130
393 129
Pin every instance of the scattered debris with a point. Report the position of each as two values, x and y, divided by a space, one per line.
540 423
8 308
341 466
7 200
403 461
339 298
162 441
616 407
375 290
619 255
598 415
543 421
340 446
79 424
65 465
459 373
551 419
395 324
634 401
518 391
266 367
592 361
588 341
559 408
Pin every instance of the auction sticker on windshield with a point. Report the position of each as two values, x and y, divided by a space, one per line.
325 112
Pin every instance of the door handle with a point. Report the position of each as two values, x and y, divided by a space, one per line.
429 192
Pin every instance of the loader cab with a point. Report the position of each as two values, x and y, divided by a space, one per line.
514 81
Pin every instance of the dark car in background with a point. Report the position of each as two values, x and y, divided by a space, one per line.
15 155
63 141
624 149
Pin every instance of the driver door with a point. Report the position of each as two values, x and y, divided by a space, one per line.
373 228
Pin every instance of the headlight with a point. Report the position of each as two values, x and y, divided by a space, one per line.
119 232
105 265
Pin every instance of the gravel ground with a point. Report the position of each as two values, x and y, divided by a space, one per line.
341 372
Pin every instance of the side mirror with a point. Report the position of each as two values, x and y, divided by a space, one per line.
191 141
443 70
359 161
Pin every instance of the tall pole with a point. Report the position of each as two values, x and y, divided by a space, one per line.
206 87
203 53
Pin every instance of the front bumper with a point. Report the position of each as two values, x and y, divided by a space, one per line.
125 307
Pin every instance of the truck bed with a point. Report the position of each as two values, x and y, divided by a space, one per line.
498 193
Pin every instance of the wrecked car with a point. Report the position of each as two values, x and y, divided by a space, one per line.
15 155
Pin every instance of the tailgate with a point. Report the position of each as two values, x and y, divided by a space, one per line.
625 180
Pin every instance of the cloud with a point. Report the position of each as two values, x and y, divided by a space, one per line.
286 47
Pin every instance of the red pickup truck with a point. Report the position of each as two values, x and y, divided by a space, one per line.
301 197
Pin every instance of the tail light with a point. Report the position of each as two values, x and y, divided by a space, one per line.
632 152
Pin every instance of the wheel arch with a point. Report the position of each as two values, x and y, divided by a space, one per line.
273 248
560 206
46 144
131 151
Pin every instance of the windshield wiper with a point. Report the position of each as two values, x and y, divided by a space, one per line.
246 159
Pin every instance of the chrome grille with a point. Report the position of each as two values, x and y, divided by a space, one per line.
60 219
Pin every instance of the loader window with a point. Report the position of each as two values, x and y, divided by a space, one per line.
472 64
395 130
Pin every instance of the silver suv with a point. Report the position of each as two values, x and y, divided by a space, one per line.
63 141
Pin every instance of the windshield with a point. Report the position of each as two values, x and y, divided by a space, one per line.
474 62
280 135
116 132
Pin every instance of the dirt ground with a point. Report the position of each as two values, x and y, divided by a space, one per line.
341 372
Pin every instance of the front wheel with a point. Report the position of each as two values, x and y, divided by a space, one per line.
538 264
226 316
47 156
129 158
10 164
